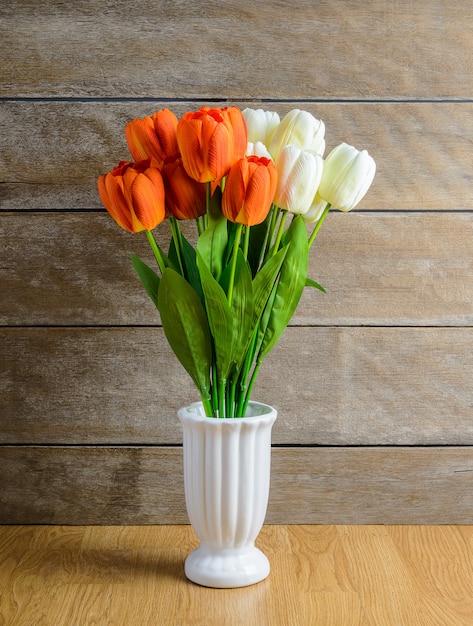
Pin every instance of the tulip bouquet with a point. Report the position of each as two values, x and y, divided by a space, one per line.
252 183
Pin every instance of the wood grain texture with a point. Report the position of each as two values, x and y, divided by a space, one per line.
320 575
384 359
378 269
54 151
144 485
342 386
233 49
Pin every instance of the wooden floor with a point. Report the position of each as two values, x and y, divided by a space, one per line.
327 575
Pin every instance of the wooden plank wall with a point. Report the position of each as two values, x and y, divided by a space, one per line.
372 382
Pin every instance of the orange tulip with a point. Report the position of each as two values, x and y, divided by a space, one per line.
153 136
185 198
249 190
210 140
133 194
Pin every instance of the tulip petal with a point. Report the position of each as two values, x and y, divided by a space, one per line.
140 136
118 206
148 203
219 154
189 139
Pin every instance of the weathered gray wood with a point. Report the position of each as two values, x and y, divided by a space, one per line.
238 49
384 359
134 485
331 386
378 269
53 152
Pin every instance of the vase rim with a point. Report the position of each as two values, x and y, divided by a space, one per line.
256 410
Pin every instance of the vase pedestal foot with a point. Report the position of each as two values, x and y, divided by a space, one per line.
226 568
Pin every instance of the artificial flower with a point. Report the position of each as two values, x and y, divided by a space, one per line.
257 149
301 129
184 196
224 305
261 125
133 194
153 136
249 190
299 175
348 174
316 209
210 140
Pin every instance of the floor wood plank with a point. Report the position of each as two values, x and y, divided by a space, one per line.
320 575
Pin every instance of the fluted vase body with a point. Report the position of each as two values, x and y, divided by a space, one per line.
227 466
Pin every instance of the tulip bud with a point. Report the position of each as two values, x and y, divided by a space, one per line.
316 209
185 198
153 136
133 194
261 125
249 190
257 149
300 129
348 174
210 140
299 175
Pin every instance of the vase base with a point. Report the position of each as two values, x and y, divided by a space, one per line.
226 568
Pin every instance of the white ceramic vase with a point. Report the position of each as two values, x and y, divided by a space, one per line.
226 480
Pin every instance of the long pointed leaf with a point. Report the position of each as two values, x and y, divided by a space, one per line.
290 285
220 318
186 327
264 281
311 283
212 243
190 262
242 308
148 277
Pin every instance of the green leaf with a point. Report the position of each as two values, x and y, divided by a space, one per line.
257 240
241 308
291 284
311 283
264 282
148 277
190 263
186 327
220 318
212 243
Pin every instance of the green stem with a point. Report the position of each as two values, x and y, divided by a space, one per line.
319 224
156 251
243 379
280 232
176 235
207 404
269 232
199 221
221 397
231 392
214 391
246 242
249 391
236 246
208 195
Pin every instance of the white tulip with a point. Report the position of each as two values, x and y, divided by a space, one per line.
300 129
261 125
348 174
316 209
299 175
257 149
